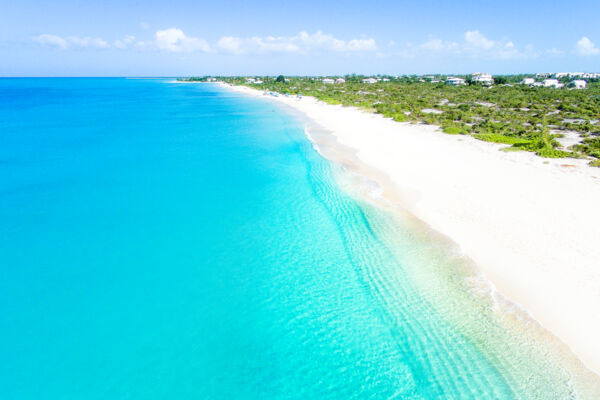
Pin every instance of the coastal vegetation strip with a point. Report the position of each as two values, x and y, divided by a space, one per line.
508 110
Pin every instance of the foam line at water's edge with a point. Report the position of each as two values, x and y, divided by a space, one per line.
388 199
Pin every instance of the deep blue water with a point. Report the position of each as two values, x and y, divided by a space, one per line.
180 241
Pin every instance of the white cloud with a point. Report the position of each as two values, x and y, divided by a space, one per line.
303 42
71 42
124 43
585 47
257 45
87 41
144 25
322 41
555 52
230 44
51 40
175 40
475 39
435 45
361 45
474 45
319 40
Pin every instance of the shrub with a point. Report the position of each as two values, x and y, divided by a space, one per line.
497 138
400 117
550 152
453 130
544 145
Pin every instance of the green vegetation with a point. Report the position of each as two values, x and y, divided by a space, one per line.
525 118
497 138
589 146
544 145
453 130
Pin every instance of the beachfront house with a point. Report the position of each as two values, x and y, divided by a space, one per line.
454 81
482 78
578 84
430 78
553 83
328 81
369 80
210 79
340 80
528 81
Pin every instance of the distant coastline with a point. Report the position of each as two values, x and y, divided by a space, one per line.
551 115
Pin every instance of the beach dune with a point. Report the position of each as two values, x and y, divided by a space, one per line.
532 225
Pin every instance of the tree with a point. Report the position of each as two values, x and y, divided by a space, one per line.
499 80
280 78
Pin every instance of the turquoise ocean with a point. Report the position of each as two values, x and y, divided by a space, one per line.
161 240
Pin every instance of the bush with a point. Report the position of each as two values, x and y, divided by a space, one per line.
453 130
497 138
544 145
550 152
400 117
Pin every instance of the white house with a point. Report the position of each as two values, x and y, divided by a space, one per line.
210 79
369 80
552 83
340 80
482 78
589 75
454 81
578 84
328 80
528 81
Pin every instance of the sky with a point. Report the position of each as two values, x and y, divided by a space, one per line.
264 37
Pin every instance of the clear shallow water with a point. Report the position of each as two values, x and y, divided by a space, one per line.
163 240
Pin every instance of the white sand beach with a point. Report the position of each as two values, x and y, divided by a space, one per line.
531 224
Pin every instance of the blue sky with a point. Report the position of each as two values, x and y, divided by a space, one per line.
168 38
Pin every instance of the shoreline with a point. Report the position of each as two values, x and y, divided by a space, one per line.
536 216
